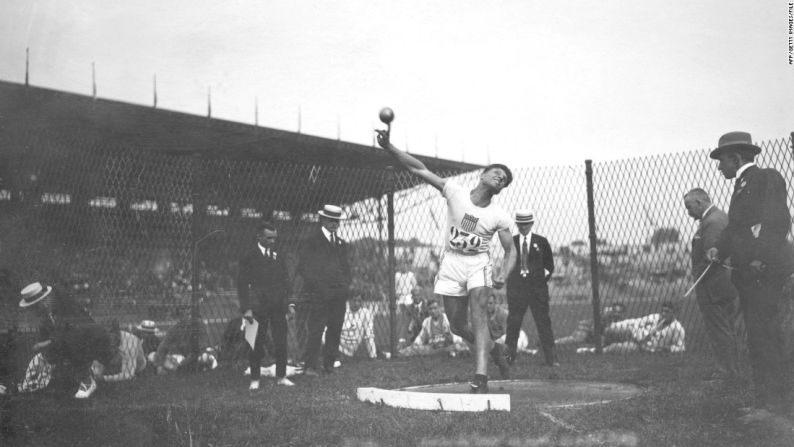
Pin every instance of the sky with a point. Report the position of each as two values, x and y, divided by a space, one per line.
521 82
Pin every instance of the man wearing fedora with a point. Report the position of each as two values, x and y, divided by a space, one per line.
466 277
262 288
527 287
325 269
755 242
68 334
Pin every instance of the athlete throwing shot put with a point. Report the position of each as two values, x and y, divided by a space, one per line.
465 276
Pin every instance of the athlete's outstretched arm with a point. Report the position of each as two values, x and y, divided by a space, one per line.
509 260
410 163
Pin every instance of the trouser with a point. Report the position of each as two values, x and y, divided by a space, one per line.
719 316
274 317
301 329
327 314
537 299
760 299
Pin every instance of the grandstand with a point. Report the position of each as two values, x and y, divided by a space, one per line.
130 207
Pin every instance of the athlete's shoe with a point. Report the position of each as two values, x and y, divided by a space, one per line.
86 389
285 382
478 387
498 356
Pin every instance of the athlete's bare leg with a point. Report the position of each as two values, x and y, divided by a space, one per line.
457 310
478 314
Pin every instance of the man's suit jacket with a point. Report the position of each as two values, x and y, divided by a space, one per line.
717 282
758 222
262 282
323 265
540 258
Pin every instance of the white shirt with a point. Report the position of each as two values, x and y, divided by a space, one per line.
706 211
404 284
470 228
741 170
265 251
327 234
358 327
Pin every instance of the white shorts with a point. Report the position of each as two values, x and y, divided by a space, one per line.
460 273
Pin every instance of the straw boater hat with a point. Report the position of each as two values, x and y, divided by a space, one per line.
147 326
331 212
737 141
525 216
33 293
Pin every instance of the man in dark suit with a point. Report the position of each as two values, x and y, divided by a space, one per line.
755 241
325 270
716 295
262 287
527 287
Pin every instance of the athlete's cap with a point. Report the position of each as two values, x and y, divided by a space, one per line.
525 216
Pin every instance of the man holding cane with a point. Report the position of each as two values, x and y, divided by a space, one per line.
755 240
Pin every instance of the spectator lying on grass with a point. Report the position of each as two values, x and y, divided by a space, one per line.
659 332
128 357
174 352
584 334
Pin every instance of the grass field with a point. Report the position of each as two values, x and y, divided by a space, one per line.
676 408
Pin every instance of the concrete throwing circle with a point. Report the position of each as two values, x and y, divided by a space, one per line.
503 394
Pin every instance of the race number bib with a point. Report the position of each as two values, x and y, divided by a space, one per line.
464 241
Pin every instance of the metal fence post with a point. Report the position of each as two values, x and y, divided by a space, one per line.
392 263
195 231
593 255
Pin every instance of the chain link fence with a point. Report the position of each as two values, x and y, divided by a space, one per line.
136 235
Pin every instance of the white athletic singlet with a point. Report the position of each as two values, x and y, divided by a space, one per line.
470 228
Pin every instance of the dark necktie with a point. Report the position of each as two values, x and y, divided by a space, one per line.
333 238
524 258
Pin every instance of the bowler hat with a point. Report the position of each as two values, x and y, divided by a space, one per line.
33 293
525 216
735 141
331 212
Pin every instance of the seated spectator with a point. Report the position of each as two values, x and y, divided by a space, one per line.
128 358
357 327
415 316
69 339
174 352
497 325
659 332
584 333
435 336
150 335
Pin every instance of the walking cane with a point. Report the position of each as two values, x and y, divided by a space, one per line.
698 280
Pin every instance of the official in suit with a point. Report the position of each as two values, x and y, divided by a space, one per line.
325 269
717 298
262 288
755 241
527 287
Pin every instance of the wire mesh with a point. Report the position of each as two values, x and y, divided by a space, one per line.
122 230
